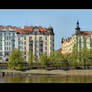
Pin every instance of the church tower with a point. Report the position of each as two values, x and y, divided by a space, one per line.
77 28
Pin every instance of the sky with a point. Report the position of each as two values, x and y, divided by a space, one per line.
63 21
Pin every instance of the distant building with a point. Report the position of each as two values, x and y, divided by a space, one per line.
36 38
59 50
82 39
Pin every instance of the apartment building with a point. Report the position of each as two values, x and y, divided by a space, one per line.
36 38
82 39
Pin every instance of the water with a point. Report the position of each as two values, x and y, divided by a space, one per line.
46 79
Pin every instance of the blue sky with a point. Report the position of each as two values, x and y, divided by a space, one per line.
63 21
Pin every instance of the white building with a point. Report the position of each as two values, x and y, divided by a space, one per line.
38 39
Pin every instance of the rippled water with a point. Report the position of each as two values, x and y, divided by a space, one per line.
46 79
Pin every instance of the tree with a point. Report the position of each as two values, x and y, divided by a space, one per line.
43 60
66 59
15 59
30 58
56 58
85 55
75 55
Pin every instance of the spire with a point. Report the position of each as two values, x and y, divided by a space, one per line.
77 27
77 24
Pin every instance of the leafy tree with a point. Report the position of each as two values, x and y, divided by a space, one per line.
15 59
66 59
30 58
56 58
85 56
43 60
75 55
35 60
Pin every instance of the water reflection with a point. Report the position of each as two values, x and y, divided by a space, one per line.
46 79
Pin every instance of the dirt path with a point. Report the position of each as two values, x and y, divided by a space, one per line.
60 72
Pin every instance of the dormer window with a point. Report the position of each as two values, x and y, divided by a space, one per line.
36 29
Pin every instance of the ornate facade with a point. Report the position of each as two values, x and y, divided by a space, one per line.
82 39
36 38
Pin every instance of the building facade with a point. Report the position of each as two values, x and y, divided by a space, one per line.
82 39
36 38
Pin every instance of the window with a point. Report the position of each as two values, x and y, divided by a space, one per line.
90 44
31 47
84 40
45 43
25 42
40 33
18 38
45 48
9 43
80 40
13 34
25 38
25 53
40 39
25 48
0 34
31 32
9 48
25 57
35 33
20 47
31 42
13 45
20 42
90 40
9 33
7 37
30 38
45 37
0 47
41 42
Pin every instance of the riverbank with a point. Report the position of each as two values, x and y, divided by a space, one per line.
46 72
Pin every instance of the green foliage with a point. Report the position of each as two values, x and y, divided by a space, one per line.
66 59
82 57
85 56
56 58
30 58
74 55
15 59
43 60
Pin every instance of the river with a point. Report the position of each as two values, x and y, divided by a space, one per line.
46 79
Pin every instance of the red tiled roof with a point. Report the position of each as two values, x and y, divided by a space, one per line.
59 50
26 28
9 26
84 33
42 29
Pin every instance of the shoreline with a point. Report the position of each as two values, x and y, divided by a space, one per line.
46 72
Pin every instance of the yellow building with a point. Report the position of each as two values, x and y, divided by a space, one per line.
38 39
82 39
66 45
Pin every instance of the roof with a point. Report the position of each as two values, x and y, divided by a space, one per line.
84 33
26 28
59 50
66 40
